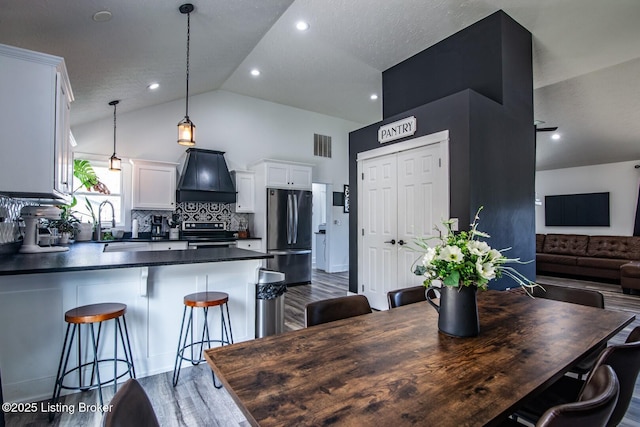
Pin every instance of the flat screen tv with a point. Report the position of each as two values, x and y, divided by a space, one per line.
579 210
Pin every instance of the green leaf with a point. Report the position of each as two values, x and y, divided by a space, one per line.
452 279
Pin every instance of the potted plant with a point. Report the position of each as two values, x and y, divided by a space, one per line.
463 264
66 225
88 178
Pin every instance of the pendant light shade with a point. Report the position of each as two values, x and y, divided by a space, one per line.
114 162
186 128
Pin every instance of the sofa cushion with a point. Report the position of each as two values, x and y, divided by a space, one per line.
630 269
566 244
604 263
556 259
539 243
620 247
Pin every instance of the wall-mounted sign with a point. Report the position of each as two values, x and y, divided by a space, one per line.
397 130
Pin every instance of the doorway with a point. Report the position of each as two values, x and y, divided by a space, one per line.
403 193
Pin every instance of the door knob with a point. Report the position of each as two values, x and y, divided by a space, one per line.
392 241
401 242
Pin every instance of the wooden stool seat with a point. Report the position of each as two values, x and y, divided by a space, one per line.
206 299
95 313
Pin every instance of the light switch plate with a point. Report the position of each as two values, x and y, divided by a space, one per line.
454 224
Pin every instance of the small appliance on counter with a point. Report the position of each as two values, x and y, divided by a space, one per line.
31 216
157 226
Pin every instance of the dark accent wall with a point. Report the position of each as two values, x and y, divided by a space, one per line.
491 133
486 57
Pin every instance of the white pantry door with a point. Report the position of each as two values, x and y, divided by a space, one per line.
379 213
403 195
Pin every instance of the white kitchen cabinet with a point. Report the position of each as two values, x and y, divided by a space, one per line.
280 174
35 102
250 244
321 251
153 185
244 182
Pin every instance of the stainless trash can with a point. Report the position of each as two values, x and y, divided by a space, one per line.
270 291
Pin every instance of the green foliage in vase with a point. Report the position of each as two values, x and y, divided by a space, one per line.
461 259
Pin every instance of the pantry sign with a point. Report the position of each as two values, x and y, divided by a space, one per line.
396 130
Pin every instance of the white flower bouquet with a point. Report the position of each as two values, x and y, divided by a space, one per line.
460 259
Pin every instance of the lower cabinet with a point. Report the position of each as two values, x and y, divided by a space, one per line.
30 348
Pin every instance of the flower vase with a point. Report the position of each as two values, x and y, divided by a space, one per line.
458 311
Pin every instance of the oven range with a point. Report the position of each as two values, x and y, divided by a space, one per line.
207 234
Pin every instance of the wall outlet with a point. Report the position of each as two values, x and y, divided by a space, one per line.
454 224
337 222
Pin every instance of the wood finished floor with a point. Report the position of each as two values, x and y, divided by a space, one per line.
194 402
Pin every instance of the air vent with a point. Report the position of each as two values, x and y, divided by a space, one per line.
321 145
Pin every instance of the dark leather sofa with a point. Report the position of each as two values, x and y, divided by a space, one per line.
594 257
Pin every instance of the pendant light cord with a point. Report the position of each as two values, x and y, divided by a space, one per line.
188 39
114 127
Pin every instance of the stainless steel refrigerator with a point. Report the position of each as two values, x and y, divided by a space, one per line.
289 233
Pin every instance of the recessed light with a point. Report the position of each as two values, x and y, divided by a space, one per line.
302 25
255 72
373 97
102 16
153 86
555 136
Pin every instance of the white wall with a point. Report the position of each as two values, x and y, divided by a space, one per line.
246 129
621 180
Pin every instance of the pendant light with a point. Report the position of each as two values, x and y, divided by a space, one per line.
186 128
114 162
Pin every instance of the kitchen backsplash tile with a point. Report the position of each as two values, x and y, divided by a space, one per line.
12 207
196 212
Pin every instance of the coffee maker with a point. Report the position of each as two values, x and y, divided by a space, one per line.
157 226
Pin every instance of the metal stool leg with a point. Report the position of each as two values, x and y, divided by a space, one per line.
57 388
95 361
180 351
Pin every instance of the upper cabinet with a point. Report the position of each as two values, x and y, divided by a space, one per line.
280 174
35 98
154 185
244 182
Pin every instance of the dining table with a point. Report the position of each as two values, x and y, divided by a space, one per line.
394 368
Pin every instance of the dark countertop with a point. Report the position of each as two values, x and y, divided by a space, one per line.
89 256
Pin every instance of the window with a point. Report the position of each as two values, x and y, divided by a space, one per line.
113 181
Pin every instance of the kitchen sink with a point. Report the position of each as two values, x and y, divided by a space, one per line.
145 246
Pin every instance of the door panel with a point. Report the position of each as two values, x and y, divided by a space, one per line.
277 223
379 224
404 196
303 231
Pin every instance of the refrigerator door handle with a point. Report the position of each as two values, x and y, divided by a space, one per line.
295 218
291 252
289 218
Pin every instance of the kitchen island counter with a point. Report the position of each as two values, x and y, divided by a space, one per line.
39 288
90 256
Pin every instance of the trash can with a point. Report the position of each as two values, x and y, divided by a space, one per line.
270 291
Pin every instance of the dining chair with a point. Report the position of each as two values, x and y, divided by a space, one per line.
592 408
404 296
576 296
130 407
625 361
329 310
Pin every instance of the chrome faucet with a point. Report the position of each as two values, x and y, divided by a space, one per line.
99 230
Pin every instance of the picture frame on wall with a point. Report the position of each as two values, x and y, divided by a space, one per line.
346 199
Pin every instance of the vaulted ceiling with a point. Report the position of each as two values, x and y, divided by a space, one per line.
586 57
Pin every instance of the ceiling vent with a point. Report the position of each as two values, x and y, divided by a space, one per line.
321 145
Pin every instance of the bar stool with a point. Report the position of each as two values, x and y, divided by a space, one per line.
89 315
202 300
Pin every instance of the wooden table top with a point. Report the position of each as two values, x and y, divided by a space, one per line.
393 368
